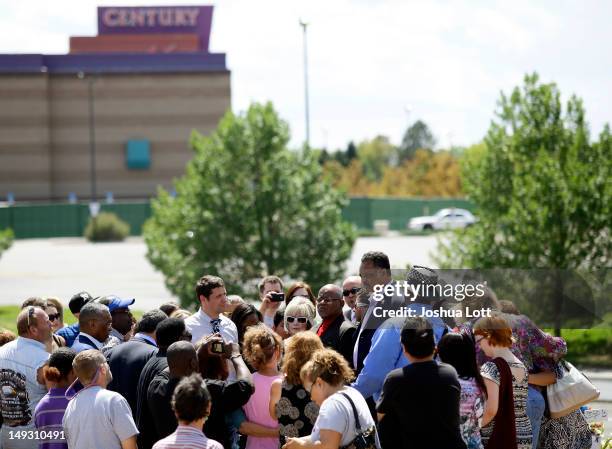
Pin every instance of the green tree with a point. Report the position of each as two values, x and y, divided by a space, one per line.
417 136
248 206
323 156
351 152
375 155
6 240
542 190
345 157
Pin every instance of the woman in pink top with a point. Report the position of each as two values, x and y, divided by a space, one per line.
262 349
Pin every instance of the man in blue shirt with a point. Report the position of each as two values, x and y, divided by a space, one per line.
385 352
76 304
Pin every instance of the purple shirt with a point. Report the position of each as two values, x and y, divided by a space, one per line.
48 419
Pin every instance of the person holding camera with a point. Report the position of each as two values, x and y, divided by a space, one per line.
344 418
272 297
228 395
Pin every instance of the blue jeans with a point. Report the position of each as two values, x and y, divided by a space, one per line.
535 411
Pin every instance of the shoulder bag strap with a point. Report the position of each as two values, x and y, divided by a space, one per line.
357 425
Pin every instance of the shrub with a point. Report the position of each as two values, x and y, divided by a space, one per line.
6 239
106 227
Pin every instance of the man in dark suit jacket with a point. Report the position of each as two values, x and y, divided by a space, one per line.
375 272
127 360
335 332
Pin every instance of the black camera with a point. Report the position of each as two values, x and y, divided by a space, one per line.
277 297
217 347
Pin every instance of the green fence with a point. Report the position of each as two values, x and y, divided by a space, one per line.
69 220
363 211
66 220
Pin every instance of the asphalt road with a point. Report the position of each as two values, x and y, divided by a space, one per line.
63 266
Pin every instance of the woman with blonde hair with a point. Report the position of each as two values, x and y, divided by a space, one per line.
262 349
290 403
300 315
181 314
344 414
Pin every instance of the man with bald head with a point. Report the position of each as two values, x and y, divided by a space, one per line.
350 289
21 384
182 362
335 332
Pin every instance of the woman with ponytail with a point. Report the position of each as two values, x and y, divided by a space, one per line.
262 349
59 375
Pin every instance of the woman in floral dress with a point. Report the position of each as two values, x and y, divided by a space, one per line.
290 403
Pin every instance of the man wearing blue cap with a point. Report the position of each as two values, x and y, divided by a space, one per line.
123 320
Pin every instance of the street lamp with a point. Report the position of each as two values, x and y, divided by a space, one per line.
92 135
408 111
304 26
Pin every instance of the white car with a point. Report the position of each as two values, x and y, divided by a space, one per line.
443 219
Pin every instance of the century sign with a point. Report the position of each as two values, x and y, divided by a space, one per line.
156 19
150 17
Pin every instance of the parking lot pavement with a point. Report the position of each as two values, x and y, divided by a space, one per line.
64 266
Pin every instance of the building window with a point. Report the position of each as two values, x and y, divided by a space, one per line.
138 155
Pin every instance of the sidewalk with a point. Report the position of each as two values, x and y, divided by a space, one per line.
63 266
598 374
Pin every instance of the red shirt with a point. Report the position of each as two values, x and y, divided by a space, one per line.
324 325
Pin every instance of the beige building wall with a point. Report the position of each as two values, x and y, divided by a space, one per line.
25 157
162 108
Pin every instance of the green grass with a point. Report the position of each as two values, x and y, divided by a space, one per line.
419 232
409 232
589 347
8 317
367 233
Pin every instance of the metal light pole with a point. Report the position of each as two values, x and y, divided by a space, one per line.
92 136
304 26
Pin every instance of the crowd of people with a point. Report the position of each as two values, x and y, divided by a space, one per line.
300 371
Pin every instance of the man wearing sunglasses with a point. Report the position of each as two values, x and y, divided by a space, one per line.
21 384
335 332
350 289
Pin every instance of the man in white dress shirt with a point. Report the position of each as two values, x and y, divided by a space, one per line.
210 319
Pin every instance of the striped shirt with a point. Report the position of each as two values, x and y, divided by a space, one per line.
187 437
48 419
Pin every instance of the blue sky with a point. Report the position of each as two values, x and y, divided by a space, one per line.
375 65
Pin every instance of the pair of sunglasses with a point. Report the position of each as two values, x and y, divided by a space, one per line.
300 319
321 299
54 316
352 291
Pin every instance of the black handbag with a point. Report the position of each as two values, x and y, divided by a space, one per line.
365 439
